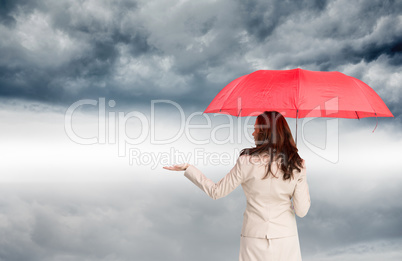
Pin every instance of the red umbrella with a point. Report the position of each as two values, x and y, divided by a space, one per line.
299 93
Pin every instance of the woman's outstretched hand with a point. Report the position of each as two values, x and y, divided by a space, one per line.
178 167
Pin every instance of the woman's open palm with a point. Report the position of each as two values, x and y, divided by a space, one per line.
177 167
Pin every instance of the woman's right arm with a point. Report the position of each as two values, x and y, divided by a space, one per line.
301 195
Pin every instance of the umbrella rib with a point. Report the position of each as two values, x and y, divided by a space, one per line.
232 90
364 94
266 93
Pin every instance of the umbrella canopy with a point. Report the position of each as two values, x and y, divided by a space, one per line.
299 93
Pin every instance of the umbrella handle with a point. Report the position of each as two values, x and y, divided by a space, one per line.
297 114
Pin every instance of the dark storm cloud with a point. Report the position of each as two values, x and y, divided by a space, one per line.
134 51
93 66
8 6
262 17
386 41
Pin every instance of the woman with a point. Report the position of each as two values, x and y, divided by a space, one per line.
272 175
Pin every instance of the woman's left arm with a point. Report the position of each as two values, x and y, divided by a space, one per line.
216 190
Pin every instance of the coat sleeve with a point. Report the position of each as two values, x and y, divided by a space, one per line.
216 190
301 194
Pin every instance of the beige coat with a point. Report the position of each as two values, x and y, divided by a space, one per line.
269 212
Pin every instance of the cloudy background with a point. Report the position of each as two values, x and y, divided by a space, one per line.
76 186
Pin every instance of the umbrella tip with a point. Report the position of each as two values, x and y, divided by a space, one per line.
376 123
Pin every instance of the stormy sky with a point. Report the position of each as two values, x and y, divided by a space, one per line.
81 178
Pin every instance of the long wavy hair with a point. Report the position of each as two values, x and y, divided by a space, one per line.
275 139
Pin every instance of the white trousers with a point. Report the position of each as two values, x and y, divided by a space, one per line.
275 249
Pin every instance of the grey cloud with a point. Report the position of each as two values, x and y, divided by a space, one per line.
110 222
144 221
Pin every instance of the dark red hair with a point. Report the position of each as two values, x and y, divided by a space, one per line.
275 139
